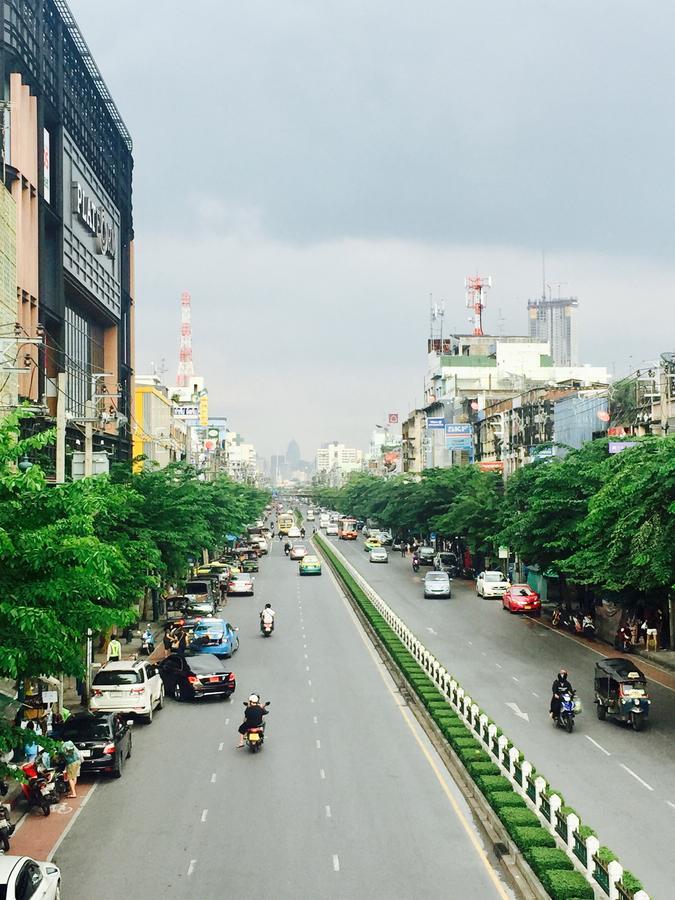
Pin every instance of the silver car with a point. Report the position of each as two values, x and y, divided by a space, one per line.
379 555
437 584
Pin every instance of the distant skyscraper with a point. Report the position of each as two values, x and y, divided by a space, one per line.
293 456
555 321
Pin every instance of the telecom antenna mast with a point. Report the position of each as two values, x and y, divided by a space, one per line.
185 367
476 290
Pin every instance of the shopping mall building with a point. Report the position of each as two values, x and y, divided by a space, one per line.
66 239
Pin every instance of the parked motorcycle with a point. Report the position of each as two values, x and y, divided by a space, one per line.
556 616
567 711
41 787
588 627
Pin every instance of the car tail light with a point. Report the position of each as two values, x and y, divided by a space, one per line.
109 748
230 676
137 690
96 693
192 679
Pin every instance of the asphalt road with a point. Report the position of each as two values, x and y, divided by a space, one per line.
347 799
621 782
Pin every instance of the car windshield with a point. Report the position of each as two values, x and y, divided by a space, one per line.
201 665
213 625
116 676
447 557
493 576
88 728
300 547
633 689
426 551
436 576
240 576
197 587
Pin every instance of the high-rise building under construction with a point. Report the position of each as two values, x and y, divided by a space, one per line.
555 321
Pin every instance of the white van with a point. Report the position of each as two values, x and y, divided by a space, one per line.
324 521
310 515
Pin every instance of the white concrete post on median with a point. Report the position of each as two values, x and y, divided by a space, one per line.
475 712
540 787
502 743
482 728
555 802
592 847
572 827
527 771
615 870
641 895
514 754
460 699
492 731
466 711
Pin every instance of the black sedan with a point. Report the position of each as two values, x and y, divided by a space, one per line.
195 675
103 739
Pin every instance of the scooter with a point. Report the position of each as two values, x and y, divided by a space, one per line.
255 737
266 628
588 628
566 714
6 827
40 789
556 616
147 646
415 564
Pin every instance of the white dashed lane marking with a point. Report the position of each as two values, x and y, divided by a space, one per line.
336 863
329 815
204 815
191 867
636 777
596 744
322 773
318 745
213 778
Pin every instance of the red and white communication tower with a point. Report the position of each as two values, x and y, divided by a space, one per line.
477 287
185 367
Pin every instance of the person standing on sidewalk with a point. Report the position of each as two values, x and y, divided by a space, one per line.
73 759
114 649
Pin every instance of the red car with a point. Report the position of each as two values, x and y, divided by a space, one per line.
521 598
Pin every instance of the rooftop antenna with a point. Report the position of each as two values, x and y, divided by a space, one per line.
543 275
476 292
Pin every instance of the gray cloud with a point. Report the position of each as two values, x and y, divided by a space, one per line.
310 170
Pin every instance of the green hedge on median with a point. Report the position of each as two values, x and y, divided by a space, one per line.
543 859
561 885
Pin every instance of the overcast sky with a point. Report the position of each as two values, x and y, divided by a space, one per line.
311 171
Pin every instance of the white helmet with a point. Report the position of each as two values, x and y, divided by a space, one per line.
254 698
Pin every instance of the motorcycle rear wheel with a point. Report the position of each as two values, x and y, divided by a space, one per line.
569 724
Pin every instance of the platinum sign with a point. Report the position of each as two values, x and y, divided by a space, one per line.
96 221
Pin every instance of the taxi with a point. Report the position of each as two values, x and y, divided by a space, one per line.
310 565
371 544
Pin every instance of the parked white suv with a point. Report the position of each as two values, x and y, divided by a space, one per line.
129 686
492 584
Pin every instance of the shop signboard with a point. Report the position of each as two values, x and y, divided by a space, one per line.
435 422
91 230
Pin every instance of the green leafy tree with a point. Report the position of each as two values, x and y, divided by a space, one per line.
626 542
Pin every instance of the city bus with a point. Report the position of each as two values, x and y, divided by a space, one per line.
285 521
347 529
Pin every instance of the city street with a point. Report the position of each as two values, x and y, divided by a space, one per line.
622 783
346 799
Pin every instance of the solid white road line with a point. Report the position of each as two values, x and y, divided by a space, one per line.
323 774
71 823
329 815
637 777
336 863
191 867
596 744
213 778
205 813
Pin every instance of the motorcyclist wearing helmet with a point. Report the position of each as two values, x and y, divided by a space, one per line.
267 616
253 717
559 686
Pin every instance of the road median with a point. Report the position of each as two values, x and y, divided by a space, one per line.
549 843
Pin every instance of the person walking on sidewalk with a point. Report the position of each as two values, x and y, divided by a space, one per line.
114 649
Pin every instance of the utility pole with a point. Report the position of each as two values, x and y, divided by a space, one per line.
61 381
89 439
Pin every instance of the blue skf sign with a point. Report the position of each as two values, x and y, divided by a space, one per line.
453 429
